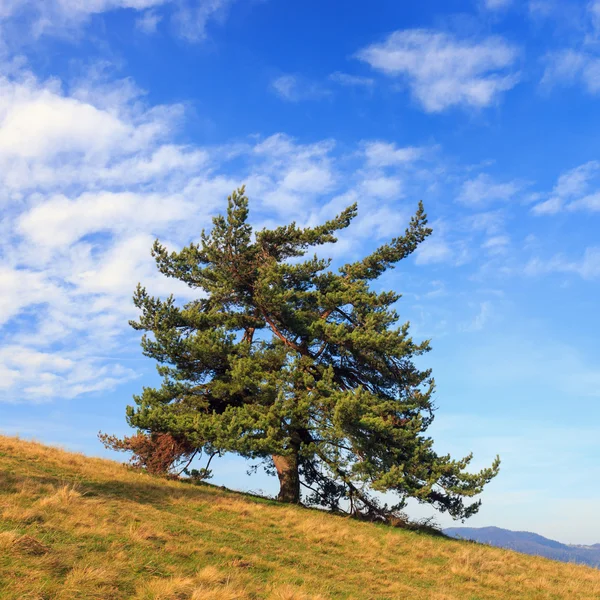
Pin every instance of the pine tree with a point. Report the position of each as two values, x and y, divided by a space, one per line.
281 359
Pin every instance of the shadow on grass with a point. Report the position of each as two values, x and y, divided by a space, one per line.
152 490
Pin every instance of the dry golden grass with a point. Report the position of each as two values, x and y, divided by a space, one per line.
73 527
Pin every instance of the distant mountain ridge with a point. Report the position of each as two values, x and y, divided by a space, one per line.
529 543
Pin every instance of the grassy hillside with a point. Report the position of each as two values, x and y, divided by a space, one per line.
75 527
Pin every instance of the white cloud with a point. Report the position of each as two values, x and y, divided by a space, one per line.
77 165
588 267
42 376
312 179
382 187
83 201
497 4
574 182
542 9
59 17
289 177
294 88
382 222
385 154
579 63
35 126
480 319
52 16
20 290
496 244
590 203
433 251
123 263
572 191
285 86
548 207
51 139
491 222
569 67
352 80
59 221
443 71
484 190
148 21
593 9
192 17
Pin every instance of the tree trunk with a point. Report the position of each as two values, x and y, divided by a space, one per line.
289 478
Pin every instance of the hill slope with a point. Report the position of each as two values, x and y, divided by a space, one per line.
75 527
529 543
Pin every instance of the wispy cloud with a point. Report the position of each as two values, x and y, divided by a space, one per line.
433 251
294 88
491 222
570 67
484 190
541 9
593 9
479 321
352 80
382 186
192 17
41 376
61 17
576 189
587 267
577 63
148 21
443 70
497 244
497 4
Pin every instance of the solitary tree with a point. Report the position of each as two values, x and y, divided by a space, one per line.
280 358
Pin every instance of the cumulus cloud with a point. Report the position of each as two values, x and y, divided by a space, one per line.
442 70
385 154
84 198
75 167
54 140
60 221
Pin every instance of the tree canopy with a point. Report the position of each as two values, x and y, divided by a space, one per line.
282 359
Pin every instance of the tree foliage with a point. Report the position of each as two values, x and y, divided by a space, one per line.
282 359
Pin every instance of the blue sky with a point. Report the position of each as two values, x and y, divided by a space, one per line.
126 120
